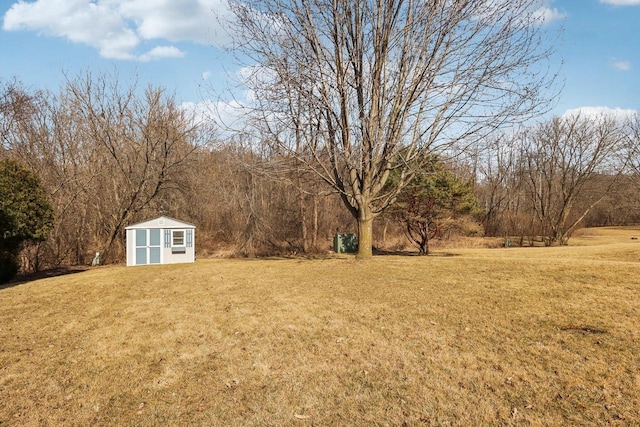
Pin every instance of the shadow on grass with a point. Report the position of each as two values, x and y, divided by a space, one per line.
45 274
384 252
332 255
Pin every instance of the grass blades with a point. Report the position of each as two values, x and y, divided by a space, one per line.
518 336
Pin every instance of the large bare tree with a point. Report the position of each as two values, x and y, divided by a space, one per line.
107 154
142 144
562 157
365 87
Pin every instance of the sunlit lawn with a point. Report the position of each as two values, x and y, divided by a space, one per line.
522 336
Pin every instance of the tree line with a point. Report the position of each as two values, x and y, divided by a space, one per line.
379 118
545 181
109 155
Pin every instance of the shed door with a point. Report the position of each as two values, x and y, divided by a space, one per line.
147 247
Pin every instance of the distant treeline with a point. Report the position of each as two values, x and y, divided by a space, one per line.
109 155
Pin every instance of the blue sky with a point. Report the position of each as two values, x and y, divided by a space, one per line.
175 44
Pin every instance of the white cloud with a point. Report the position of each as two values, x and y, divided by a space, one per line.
547 15
533 13
622 65
160 52
176 21
79 21
599 112
229 117
206 75
621 2
201 111
116 28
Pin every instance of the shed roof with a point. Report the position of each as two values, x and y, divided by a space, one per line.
161 222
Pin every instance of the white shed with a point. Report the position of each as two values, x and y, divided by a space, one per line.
161 240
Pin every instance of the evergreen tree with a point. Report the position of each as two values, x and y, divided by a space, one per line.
26 214
435 197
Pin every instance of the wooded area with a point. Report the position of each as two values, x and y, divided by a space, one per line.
354 91
427 117
108 157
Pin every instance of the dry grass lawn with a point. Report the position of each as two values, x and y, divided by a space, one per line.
518 336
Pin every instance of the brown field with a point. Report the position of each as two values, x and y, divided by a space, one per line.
518 336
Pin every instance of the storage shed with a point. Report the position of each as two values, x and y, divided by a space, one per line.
162 240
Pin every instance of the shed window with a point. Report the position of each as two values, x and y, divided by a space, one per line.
141 237
154 237
189 238
178 238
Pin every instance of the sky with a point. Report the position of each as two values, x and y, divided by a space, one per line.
178 44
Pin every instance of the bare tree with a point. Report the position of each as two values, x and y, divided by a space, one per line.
17 105
377 84
43 136
632 146
498 186
562 156
142 147
105 153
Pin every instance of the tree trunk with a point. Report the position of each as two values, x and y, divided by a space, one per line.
384 233
303 220
365 234
314 237
425 246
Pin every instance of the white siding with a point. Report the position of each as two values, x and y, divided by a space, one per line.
166 226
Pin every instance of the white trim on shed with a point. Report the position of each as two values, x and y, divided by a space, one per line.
161 240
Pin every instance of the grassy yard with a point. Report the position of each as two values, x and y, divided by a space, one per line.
517 336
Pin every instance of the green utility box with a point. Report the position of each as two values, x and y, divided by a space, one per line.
345 243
